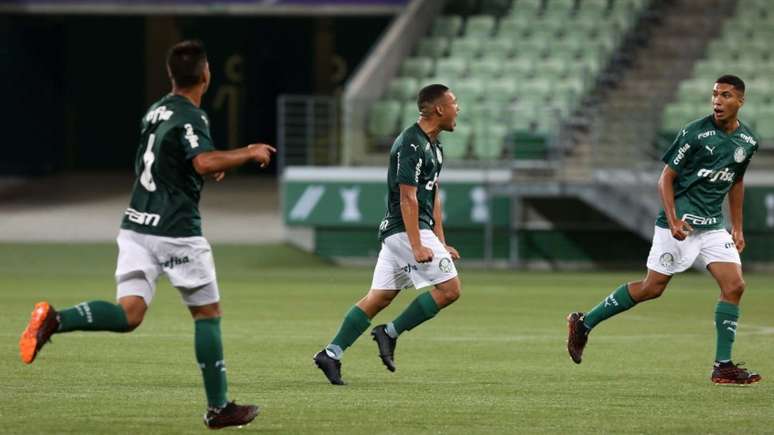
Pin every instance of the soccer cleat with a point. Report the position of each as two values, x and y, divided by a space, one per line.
230 415
331 367
729 373
577 335
386 346
42 325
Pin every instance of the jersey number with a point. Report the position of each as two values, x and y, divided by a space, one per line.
146 178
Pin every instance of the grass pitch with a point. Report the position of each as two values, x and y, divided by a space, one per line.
495 362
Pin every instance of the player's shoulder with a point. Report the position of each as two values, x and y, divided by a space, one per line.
409 138
178 111
748 134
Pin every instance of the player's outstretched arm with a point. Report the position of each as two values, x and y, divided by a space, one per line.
735 203
666 190
212 162
409 210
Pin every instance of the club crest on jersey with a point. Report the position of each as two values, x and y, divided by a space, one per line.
739 155
666 260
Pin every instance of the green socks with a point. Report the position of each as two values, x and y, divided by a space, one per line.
422 308
209 355
726 315
93 316
618 301
355 323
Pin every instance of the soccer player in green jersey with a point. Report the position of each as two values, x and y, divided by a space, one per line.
161 233
414 250
707 160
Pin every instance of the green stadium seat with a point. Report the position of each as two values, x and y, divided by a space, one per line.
518 67
417 67
488 142
499 47
466 48
468 91
433 47
456 144
383 118
403 88
500 92
487 68
455 67
766 131
480 25
526 7
449 26
676 116
438 79
531 49
514 26
409 114
551 68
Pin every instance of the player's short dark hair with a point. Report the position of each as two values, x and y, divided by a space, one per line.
732 80
429 95
186 61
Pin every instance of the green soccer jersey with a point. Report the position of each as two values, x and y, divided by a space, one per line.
707 162
165 195
414 160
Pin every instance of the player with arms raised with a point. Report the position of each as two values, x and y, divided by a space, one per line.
707 160
161 233
414 251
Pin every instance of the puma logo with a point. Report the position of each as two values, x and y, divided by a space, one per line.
414 146
711 150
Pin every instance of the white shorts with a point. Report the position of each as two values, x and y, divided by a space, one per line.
397 269
186 261
669 255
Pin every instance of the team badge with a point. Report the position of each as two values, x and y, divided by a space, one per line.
445 265
739 155
667 260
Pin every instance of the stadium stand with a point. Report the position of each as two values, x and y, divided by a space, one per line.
745 41
529 62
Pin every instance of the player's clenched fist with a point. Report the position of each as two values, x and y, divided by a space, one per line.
423 254
681 230
262 153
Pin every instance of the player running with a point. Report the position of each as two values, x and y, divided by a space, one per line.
414 250
161 233
707 160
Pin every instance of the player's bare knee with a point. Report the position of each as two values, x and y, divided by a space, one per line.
652 290
735 289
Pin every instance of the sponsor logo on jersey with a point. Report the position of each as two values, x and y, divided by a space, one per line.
141 218
445 265
748 139
739 155
158 114
699 220
190 136
409 267
417 170
729 245
704 134
666 260
714 176
175 261
681 153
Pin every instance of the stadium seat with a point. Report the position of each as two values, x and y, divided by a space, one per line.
409 114
500 92
480 26
469 91
403 88
466 48
513 27
448 26
383 119
518 68
488 142
417 67
433 47
487 68
455 67
456 144
501 47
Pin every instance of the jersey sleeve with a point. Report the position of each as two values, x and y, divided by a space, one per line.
677 154
194 136
409 159
746 163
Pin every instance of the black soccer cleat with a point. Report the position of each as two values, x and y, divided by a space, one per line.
577 336
230 415
44 322
331 367
729 373
386 346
